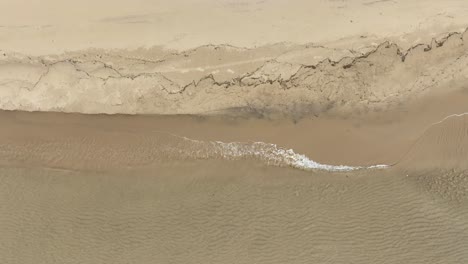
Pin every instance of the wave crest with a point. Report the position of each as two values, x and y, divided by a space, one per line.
268 153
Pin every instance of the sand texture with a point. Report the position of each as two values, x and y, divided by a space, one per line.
202 131
118 190
299 79
232 213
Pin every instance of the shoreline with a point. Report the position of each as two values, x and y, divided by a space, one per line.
234 131
359 141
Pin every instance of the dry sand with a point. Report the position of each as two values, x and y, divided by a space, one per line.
214 131
294 80
45 27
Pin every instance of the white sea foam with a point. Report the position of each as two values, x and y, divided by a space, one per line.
268 153
274 155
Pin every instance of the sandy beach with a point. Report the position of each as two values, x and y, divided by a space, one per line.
234 131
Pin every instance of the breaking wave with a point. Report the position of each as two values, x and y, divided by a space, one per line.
271 154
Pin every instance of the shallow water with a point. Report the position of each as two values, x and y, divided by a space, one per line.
87 189
232 212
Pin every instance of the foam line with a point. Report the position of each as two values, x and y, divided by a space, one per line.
268 153
449 116
274 155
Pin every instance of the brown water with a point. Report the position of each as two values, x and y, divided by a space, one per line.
232 212
148 189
